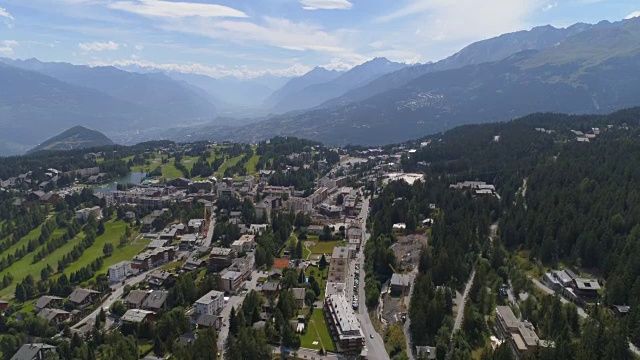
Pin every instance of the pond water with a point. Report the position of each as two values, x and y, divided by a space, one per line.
132 178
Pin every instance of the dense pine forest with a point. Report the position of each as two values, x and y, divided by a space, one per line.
560 202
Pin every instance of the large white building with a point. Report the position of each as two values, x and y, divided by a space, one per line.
119 271
211 303
343 324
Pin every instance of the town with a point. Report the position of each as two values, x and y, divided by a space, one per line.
317 250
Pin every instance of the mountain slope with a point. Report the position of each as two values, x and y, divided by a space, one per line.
489 50
165 98
594 71
315 95
34 106
78 137
318 75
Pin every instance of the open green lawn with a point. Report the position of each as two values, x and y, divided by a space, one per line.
188 161
251 164
230 162
320 277
33 234
317 332
326 247
25 266
169 171
113 231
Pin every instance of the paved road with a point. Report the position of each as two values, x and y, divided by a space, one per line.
462 303
212 223
375 345
118 289
581 311
310 354
235 302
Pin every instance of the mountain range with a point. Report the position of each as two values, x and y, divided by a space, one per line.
591 69
584 68
78 137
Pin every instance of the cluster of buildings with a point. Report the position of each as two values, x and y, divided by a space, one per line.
580 290
478 187
520 335
59 310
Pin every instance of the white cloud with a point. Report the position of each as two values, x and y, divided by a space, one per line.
5 14
213 71
634 14
326 4
278 32
549 6
6 47
99 46
463 20
159 8
8 19
139 47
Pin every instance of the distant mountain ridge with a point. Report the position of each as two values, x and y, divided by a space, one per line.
314 95
595 70
78 137
483 51
163 97
318 75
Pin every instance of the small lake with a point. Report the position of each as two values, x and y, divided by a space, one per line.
133 178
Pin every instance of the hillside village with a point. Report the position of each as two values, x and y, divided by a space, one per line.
259 233
274 237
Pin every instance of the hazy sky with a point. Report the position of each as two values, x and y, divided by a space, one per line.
282 37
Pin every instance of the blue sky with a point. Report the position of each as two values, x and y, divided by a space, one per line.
248 38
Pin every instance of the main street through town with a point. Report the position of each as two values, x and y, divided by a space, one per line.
374 342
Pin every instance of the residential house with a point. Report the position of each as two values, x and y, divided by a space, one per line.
137 316
135 298
193 264
161 279
119 271
220 258
353 231
245 244
275 274
187 339
81 298
211 303
153 258
4 305
48 301
55 316
34 351
270 289
187 242
620 310
194 226
339 264
298 295
84 214
587 289
156 301
315 230
206 321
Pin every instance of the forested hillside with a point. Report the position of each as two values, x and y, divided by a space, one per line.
559 201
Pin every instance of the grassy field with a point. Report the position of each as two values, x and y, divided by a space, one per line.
169 171
25 266
33 234
317 332
320 277
251 164
229 163
112 233
326 247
